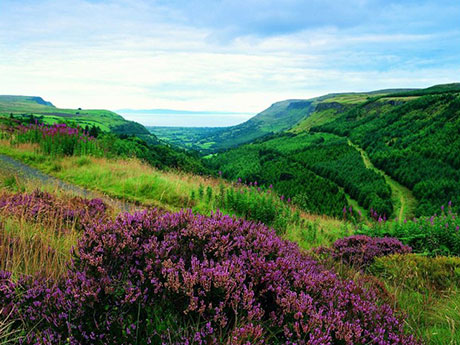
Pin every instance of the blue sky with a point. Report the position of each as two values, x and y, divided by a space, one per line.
236 56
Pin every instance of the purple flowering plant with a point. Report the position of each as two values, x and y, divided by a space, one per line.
56 139
152 278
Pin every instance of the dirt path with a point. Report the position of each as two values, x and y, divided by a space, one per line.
403 200
25 173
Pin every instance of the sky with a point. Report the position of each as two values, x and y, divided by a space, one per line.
222 55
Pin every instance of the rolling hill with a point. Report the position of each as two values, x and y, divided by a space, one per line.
37 107
125 138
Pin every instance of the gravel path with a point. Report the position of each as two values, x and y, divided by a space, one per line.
26 173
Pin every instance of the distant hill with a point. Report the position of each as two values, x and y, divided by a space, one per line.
294 114
108 121
23 103
132 139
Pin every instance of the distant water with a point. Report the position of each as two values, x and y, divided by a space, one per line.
184 119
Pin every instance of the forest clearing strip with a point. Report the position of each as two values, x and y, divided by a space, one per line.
404 201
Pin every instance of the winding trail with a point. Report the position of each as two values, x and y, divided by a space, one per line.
403 200
26 173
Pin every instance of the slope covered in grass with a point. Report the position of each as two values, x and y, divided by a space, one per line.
30 108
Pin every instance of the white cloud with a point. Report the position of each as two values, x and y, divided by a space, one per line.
123 54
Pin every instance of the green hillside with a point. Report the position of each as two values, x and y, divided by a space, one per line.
121 137
108 121
395 151
414 138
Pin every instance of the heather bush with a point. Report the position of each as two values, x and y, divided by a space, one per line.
361 250
234 281
435 235
45 208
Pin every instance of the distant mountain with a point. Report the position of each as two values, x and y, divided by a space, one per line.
22 103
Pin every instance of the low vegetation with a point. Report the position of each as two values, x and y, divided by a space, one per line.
435 235
232 282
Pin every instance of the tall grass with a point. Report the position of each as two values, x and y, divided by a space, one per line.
8 335
28 248
427 290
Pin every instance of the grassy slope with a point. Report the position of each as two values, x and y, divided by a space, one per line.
134 181
24 106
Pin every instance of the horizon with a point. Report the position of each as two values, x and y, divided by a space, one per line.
236 57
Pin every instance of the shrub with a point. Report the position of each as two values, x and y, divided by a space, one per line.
361 250
435 235
232 281
253 203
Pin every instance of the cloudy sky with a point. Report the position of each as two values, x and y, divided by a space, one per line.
237 56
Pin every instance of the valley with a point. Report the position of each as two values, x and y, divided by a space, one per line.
353 197
229 172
